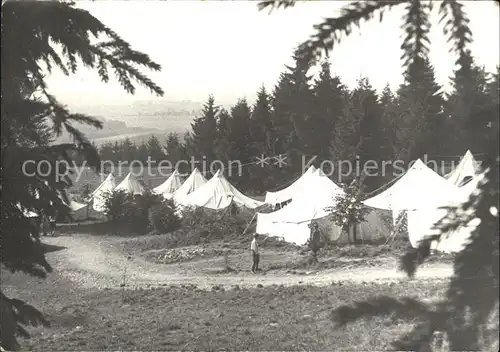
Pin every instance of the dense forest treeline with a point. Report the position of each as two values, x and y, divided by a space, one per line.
304 117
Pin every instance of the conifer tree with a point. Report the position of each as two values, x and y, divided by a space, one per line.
470 106
142 152
155 149
223 145
204 132
240 142
420 113
174 148
329 102
292 104
30 36
262 137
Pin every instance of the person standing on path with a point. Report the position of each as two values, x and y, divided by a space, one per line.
254 247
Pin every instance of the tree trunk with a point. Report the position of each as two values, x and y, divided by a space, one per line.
354 234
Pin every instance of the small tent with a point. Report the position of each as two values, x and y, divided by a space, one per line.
99 194
218 193
468 167
130 185
288 192
171 184
77 211
192 183
314 201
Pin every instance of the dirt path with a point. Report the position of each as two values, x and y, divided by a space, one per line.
95 262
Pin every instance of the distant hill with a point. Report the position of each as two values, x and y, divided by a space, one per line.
138 121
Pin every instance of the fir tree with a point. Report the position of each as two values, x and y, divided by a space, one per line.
329 102
239 140
223 144
420 113
155 149
29 37
262 138
174 148
204 132
470 106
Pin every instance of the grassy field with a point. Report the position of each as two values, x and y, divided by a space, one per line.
175 318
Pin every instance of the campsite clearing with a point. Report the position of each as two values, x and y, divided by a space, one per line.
266 318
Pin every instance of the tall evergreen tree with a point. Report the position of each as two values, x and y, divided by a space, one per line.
390 120
128 150
240 141
223 145
420 113
155 149
374 147
261 123
292 103
204 132
262 138
173 146
470 107
142 152
329 99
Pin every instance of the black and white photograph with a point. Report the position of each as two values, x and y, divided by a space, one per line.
218 175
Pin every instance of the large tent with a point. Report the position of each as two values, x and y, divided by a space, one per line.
99 195
287 193
421 223
419 188
218 193
171 184
130 185
468 167
423 194
192 183
314 200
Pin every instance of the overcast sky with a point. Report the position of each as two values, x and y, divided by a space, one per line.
229 48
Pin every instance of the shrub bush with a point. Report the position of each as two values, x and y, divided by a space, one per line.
128 212
164 218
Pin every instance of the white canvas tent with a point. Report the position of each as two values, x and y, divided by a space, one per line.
421 223
192 183
218 193
467 167
419 188
422 193
98 196
171 184
288 192
130 185
78 211
313 202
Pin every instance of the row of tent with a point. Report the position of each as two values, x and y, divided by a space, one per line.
421 193
195 191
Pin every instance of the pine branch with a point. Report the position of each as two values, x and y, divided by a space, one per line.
456 28
328 33
415 45
381 306
275 4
